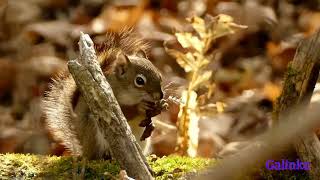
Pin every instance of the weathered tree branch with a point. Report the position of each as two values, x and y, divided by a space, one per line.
106 110
301 77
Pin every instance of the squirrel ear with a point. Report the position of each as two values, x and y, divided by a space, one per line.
122 64
141 53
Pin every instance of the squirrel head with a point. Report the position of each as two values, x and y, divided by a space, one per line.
134 79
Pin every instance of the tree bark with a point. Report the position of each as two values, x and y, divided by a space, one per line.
300 80
106 111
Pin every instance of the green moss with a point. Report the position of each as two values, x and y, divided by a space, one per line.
22 166
175 166
291 71
43 167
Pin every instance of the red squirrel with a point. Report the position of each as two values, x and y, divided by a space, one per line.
136 84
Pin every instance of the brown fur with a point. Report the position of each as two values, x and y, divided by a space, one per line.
67 114
126 41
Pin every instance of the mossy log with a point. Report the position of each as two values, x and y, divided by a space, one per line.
299 83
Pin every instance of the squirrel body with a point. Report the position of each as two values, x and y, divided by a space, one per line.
136 84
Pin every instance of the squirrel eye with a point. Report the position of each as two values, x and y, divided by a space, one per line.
140 80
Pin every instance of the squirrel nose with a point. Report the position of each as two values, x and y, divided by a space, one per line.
158 95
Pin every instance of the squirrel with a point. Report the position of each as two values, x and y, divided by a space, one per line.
136 84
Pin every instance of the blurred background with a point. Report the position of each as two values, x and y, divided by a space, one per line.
37 37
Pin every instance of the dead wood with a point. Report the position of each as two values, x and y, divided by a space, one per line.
299 83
